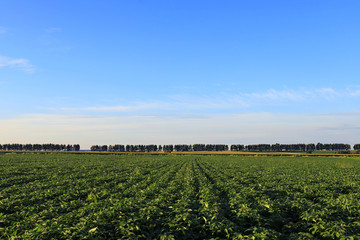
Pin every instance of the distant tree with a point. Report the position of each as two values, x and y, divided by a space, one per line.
69 148
117 148
104 148
151 148
168 148
275 147
199 147
95 148
347 147
319 146
310 147
76 147
182 148
237 147
132 148
140 148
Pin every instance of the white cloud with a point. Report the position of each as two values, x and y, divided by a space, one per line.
19 63
224 101
355 93
172 103
137 106
220 101
328 93
123 108
325 93
273 94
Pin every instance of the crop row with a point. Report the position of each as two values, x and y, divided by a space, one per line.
178 197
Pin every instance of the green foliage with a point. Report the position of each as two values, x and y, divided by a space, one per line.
95 196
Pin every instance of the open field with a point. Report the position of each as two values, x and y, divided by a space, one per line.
165 196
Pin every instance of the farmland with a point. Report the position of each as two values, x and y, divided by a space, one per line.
125 196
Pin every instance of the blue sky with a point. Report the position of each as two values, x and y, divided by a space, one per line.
106 72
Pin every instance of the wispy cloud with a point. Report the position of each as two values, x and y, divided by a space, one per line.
328 93
355 93
222 102
123 108
19 63
273 94
173 103
325 93
115 108
219 101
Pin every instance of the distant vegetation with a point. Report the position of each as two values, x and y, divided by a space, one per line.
223 147
338 147
39 147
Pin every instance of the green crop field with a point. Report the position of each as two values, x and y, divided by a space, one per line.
96 196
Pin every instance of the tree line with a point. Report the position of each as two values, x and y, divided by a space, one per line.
223 147
166 148
39 147
298 147
185 147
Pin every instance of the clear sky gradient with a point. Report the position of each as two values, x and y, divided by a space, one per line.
167 72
